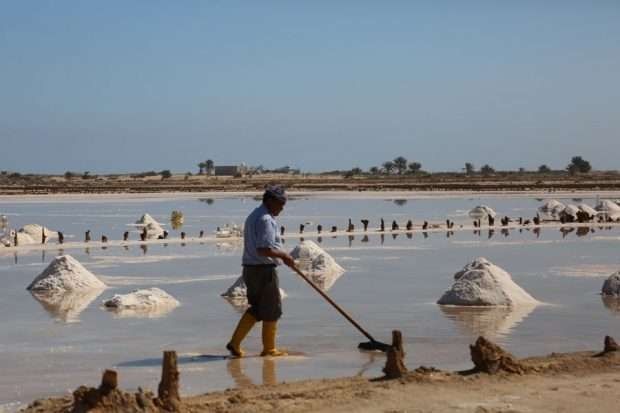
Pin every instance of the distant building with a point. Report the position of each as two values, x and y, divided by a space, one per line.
230 170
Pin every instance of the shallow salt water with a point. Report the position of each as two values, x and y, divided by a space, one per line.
390 283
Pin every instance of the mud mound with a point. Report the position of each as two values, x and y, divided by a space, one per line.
317 264
146 302
65 273
611 286
481 283
491 358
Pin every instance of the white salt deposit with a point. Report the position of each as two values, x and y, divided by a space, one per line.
552 208
28 235
237 293
611 286
609 208
570 211
147 302
588 210
482 212
153 228
65 273
314 262
482 283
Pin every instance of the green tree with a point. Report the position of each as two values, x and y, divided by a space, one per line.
469 168
374 170
356 171
201 167
487 169
400 163
544 169
578 165
209 165
69 175
415 167
388 167
165 174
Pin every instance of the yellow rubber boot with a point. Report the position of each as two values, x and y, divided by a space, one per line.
243 328
269 340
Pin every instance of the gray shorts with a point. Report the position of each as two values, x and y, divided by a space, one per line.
263 290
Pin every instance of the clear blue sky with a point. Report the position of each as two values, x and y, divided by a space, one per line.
122 85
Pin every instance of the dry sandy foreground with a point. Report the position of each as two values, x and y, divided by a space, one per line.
570 382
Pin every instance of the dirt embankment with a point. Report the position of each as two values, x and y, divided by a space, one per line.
40 184
570 382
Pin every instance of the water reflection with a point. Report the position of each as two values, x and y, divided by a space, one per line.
145 312
611 303
66 306
235 368
486 321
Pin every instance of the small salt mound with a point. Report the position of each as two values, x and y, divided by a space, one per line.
609 208
317 264
482 211
237 293
482 283
65 273
29 234
611 286
153 228
146 302
552 208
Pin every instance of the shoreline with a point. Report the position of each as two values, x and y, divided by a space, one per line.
555 382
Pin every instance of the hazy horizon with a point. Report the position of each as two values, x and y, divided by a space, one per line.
150 85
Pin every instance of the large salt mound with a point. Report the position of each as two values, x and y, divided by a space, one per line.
570 211
153 228
552 208
148 302
611 286
29 234
237 294
609 208
65 273
587 209
317 264
482 283
482 211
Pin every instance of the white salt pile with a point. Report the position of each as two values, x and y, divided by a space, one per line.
588 210
481 212
150 302
28 235
153 228
611 286
609 208
570 211
317 264
552 208
65 273
482 283
237 293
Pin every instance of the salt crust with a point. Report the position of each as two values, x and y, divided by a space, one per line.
552 208
609 208
65 273
482 283
153 228
611 286
482 211
144 300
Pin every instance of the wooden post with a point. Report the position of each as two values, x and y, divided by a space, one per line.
610 345
395 365
109 381
168 390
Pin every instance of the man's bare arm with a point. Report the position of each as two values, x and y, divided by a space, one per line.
276 253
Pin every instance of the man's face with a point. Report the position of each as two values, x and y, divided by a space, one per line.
275 206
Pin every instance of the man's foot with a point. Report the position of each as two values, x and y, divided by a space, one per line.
235 352
274 353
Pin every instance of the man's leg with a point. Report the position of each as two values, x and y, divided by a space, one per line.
248 319
271 311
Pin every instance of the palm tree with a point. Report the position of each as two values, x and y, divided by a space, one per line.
201 165
469 168
400 163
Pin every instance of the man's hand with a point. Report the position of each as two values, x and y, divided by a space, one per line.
288 260
274 253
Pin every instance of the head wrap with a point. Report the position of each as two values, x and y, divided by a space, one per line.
275 192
